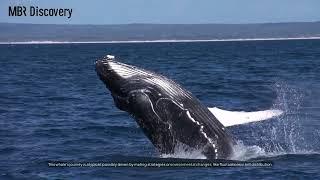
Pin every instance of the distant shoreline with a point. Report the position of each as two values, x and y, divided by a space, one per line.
155 33
158 41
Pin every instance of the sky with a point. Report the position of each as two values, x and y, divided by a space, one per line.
169 11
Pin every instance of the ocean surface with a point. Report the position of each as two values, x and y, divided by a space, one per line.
54 108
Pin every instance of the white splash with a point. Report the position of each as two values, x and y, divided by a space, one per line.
283 136
185 152
243 152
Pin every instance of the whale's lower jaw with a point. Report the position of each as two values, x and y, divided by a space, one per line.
167 113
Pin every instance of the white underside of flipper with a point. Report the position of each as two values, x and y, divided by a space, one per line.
231 118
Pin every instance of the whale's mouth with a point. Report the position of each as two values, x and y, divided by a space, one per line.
116 84
109 76
108 71
103 67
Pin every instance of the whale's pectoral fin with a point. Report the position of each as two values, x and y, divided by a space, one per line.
184 129
150 122
231 118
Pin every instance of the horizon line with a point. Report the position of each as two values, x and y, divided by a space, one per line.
158 41
136 23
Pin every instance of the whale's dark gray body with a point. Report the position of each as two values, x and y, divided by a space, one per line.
167 113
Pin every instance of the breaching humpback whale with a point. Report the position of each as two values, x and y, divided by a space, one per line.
167 113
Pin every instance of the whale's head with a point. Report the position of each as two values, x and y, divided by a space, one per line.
123 80
112 74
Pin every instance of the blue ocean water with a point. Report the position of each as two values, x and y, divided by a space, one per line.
54 107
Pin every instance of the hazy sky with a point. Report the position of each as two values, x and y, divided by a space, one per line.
169 11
